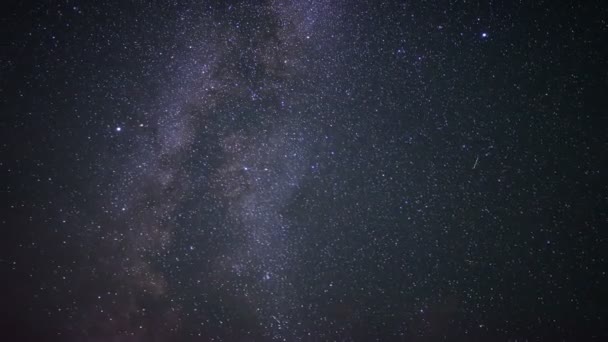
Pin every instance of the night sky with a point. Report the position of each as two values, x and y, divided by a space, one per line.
309 170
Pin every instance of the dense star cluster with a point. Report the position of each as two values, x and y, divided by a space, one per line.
308 170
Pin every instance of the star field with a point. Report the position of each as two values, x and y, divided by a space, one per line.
303 171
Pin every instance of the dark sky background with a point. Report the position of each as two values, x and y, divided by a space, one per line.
307 170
